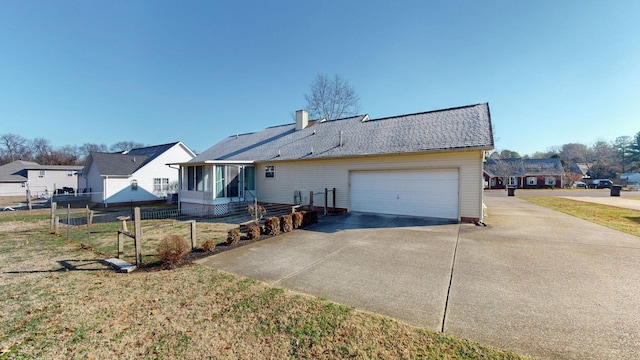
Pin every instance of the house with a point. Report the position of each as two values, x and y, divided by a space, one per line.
523 173
139 175
631 177
18 176
581 169
426 164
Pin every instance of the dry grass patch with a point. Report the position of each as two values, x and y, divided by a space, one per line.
625 220
58 302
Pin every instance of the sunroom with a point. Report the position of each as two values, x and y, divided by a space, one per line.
215 187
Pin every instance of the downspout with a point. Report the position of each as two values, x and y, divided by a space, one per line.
104 190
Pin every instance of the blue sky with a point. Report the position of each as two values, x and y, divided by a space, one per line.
553 72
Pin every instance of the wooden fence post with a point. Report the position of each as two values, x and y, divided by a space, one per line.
193 234
56 227
120 245
29 198
138 234
311 200
334 200
53 218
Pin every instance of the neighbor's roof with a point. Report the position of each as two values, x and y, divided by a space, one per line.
8 172
551 166
523 167
467 127
119 164
504 167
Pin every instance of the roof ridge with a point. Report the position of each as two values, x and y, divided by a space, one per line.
431 111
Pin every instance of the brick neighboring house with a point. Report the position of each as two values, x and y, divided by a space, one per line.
523 173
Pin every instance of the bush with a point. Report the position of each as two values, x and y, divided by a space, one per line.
296 219
286 223
253 232
209 245
272 226
172 250
233 236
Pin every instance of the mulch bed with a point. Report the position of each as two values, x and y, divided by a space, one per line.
197 254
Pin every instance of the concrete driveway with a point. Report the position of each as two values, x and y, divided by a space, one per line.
533 281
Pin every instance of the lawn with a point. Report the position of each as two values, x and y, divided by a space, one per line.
625 220
59 301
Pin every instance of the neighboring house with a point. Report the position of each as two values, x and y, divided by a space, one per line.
632 178
139 175
582 169
523 173
427 164
18 176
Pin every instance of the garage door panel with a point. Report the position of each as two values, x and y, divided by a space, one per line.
431 193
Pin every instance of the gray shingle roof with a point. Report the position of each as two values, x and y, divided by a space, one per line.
456 128
523 167
118 164
9 172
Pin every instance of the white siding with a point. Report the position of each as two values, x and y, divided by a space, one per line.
52 179
316 175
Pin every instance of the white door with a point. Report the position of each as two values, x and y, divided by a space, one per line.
428 193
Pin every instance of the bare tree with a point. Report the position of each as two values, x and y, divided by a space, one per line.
125 146
331 98
14 147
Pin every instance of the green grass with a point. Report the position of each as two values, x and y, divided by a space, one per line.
192 312
625 220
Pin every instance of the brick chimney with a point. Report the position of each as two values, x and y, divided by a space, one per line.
302 119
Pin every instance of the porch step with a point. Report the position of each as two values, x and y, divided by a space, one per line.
120 265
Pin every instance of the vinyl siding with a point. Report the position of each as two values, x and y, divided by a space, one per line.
316 175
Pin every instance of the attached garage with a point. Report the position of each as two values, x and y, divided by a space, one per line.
428 193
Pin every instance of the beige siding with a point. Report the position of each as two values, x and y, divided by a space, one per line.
316 175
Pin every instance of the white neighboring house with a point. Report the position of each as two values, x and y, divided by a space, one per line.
139 175
632 178
18 176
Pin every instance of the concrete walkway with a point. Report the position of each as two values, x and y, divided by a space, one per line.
533 281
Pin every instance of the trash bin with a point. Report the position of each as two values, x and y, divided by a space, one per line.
615 190
511 190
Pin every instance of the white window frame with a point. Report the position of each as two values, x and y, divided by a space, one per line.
134 185
69 172
269 171
160 185
550 181
531 180
513 180
42 173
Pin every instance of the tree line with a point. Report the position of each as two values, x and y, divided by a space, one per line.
604 160
15 147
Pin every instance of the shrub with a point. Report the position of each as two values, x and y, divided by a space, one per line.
286 223
233 236
253 232
172 250
209 245
272 226
296 219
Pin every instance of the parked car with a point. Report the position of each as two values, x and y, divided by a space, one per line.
600 184
578 184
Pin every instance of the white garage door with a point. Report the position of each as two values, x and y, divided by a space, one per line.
431 193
